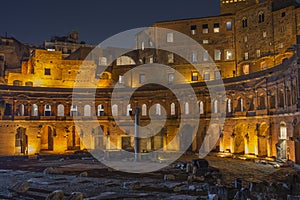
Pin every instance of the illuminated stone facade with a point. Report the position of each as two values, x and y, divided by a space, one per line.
261 102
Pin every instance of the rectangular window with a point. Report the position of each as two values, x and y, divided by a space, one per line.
217 55
205 28
264 34
246 69
205 56
47 71
258 53
216 28
194 76
228 54
170 37
193 29
283 14
206 76
194 57
228 26
121 79
246 39
170 77
142 78
151 59
170 58
143 45
246 56
205 41
217 75
280 45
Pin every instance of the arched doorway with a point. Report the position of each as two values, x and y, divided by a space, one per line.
21 141
186 138
297 142
99 138
262 136
239 138
73 141
47 135
281 145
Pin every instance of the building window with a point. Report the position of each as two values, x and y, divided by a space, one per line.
144 110
194 76
258 53
206 76
173 109
121 79
205 41
34 110
143 46
246 69
217 75
194 57
158 109
264 34
245 39
129 110
283 132
264 65
114 110
193 29
201 107
142 78
205 28
217 54
261 17
228 26
60 110
283 14
228 54
186 108
283 29
280 46
205 56
103 61
87 110
170 77
246 56
17 83
100 110
244 22
170 37
170 58
47 71
229 105
151 59
216 28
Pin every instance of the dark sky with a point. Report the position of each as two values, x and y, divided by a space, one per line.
34 21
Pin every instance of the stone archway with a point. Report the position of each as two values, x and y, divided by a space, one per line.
186 138
47 141
240 131
21 142
262 137
297 143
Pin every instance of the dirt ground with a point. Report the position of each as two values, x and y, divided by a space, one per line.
100 182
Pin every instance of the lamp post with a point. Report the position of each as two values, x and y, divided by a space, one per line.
136 134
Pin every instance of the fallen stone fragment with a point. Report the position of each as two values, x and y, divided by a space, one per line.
169 177
76 196
56 195
20 187
51 170
83 174
132 185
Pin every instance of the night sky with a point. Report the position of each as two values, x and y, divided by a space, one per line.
34 21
